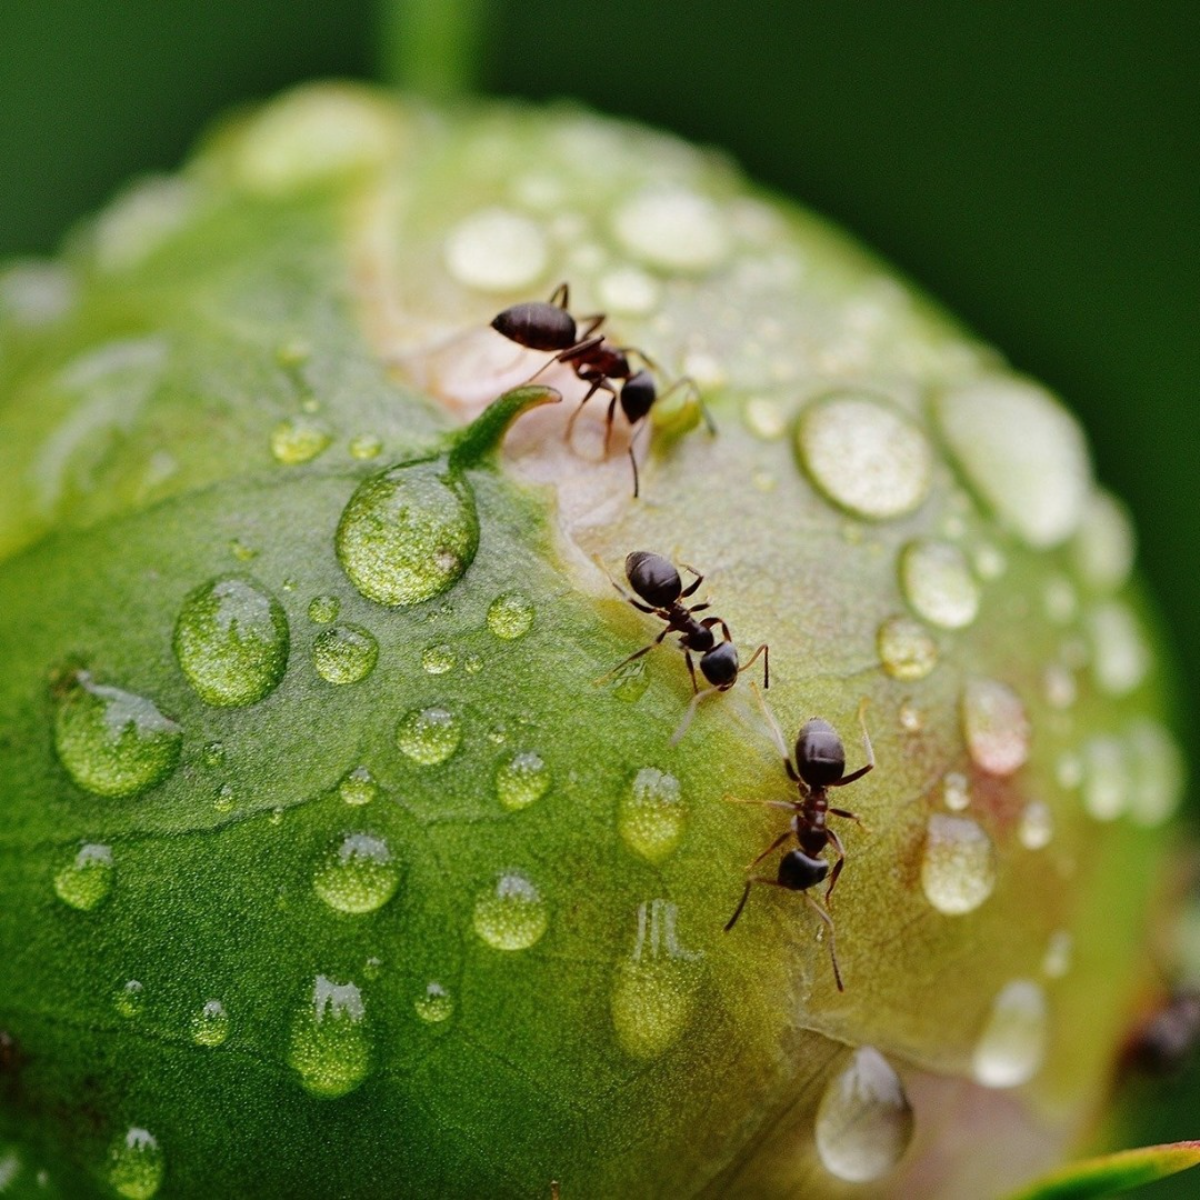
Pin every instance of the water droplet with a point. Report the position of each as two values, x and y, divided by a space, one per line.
357 874
324 609
958 870
1068 770
672 228
995 726
1121 657
241 551
1060 950
408 534
764 418
329 1048
522 779
473 664
1104 547
864 1121
84 883
1036 826
1023 452
497 251
1158 774
299 440
1012 1046
226 799
938 583
429 735
1059 686
276 815
1106 783
344 653
912 720
865 456
1060 600
210 1026
956 791
34 293
295 352
365 446
629 292
437 660
652 814
136 1165
113 742
990 561
129 999
629 682
213 755
906 648
434 1004
511 915
358 787
510 615
10 1167
232 640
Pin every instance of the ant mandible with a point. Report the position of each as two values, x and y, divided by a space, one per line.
820 764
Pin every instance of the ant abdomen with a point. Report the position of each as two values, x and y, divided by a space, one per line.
798 871
653 577
820 755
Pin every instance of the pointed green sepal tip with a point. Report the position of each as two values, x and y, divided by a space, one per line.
484 435
1113 1173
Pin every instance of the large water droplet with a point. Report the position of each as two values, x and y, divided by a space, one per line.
958 869
344 653
497 251
358 787
938 583
1120 657
995 726
429 735
329 1047
522 779
1104 548
864 1121
1158 774
232 641
408 534
434 1004
357 875
136 1165
299 440
324 609
1106 780
112 742
864 455
210 1026
1012 1046
509 616
652 814
129 999
672 228
511 915
84 883
906 648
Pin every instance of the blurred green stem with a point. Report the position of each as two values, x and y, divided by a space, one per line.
431 46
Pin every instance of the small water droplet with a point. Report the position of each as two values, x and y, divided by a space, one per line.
864 455
136 1165
958 869
299 440
1059 686
672 228
294 352
629 292
1158 774
357 874
1104 547
231 641
652 814
210 1026
366 446
329 1048
990 561
1106 781
358 787
1012 1046
630 681
522 779
344 654
112 742
429 735
1060 600
906 648
764 417
995 726
275 816
912 720
129 999
408 534
473 664
496 250
84 883
213 755
226 798
511 915
864 1121
510 615
434 1004
956 791
1068 771
10 1167
1060 950
241 551
938 583
437 660
324 609
1120 657
1036 826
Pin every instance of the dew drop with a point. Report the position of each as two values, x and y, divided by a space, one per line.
652 814
764 418
510 616
912 720
329 1049
226 799
1059 686
511 915
324 609
437 660
136 1165
1060 950
1060 600
366 446
496 250
231 641
299 440
213 755
631 681
1158 774
357 874
990 561
241 551
210 1026
1068 771
434 1005
358 787
344 653
429 735
10 1167
958 869
938 583
408 534
672 228
521 780
995 726
864 1121
113 742
1012 1046
906 648
1036 826
85 882
34 293
1120 656
865 456
276 815
473 664
129 999
956 791
1106 781
1104 547
629 292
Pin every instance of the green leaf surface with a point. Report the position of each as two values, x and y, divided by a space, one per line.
1113 1173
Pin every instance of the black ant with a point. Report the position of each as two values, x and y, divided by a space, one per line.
595 360
820 764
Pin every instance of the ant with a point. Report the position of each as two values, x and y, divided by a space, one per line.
598 362
820 764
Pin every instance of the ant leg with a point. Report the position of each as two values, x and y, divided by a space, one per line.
632 658
775 732
765 651
608 424
677 736
840 851
646 608
737 912
627 350
690 590
591 323
712 622
786 805
849 816
575 415
581 349
862 720
637 485
691 666
561 295
837 975
783 837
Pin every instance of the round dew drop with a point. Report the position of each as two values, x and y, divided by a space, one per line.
652 1005
429 736
129 999
324 609
330 1050
358 787
510 616
496 250
652 815
85 882
438 659
1036 826
1012 1046
938 583
958 870
357 874
345 654
521 780
995 726
434 1005
906 648
299 440
210 1026
136 1165
511 915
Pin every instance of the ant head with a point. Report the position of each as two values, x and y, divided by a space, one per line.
820 756
798 871
653 577
638 396
536 326
720 665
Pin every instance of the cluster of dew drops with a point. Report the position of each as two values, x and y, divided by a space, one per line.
865 452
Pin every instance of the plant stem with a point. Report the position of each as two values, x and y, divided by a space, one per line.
431 46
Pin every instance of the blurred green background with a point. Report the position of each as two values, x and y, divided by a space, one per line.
1034 164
